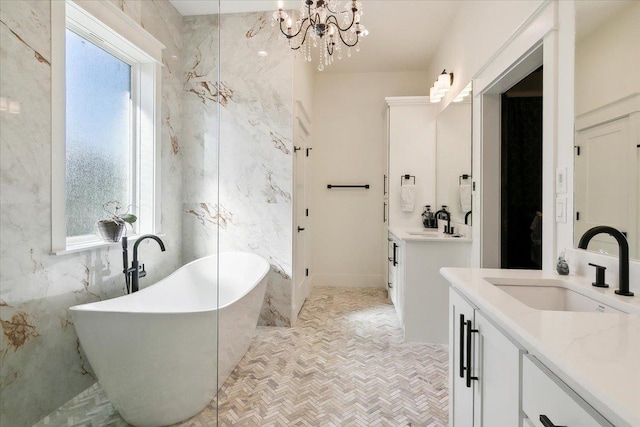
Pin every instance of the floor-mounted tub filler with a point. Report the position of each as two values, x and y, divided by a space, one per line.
156 353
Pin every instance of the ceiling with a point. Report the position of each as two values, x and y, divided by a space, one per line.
403 34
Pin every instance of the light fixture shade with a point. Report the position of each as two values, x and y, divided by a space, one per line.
444 81
434 95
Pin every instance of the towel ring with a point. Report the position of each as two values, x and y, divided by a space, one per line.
407 177
463 177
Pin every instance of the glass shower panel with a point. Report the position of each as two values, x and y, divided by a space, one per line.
254 212
200 136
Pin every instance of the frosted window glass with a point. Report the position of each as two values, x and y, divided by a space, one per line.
98 127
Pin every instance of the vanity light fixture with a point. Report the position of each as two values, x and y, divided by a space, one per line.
318 23
463 93
440 87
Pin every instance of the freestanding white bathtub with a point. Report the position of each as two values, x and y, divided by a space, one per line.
156 352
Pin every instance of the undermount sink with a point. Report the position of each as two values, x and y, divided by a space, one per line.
550 294
423 233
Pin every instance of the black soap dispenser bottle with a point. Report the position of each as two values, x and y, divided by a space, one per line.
428 218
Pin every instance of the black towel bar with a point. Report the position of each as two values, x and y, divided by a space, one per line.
407 177
330 186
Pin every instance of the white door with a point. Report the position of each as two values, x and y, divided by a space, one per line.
301 223
606 170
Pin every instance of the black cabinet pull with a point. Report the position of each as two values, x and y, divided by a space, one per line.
384 185
300 229
390 285
546 422
468 369
384 212
395 261
461 346
296 149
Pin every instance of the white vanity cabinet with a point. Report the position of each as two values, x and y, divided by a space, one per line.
419 293
493 381
484 370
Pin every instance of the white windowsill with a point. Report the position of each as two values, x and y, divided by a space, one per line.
96 244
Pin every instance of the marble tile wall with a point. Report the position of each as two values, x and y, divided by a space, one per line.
254 209
41 362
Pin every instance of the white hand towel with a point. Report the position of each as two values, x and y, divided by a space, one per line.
408 196
465 197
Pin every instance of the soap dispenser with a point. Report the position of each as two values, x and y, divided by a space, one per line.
562 267
428 218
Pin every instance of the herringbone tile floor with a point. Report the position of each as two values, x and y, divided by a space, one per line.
342 364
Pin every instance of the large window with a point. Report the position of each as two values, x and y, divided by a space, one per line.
99 122
105 122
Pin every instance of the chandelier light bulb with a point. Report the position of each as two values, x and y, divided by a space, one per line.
323 24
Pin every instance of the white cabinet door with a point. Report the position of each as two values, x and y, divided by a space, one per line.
546 400
460 394
400 281
497 369
392 271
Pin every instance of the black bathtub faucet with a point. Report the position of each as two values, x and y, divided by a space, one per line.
133 274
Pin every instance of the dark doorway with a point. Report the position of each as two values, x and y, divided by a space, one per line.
521 186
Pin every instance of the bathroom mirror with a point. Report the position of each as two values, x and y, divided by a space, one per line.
453 158
607 138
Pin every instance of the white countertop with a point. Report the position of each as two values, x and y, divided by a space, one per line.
596 354
425 235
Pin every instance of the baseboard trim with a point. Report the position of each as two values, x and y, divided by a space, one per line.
349 280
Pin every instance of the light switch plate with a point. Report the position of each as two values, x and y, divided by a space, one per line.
561 181
561 209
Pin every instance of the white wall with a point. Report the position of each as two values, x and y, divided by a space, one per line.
608 62
349 139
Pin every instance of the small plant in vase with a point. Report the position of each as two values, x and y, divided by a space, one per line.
111 228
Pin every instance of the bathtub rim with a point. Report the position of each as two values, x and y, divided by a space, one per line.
267 267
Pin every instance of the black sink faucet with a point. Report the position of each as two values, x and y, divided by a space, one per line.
133 274
623 256
447 229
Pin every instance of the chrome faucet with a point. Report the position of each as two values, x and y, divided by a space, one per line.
447 229
623 255
133 274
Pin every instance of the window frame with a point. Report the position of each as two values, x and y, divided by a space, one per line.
104 25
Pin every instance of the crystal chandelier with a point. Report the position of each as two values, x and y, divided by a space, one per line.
319 23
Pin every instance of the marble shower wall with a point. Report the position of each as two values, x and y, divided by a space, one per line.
41 363
254 209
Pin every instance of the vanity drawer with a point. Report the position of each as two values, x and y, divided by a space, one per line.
544 394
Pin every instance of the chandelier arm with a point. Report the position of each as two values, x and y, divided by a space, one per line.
290 36
329 9
304 38
330 47
335 22
344 41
